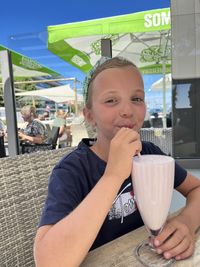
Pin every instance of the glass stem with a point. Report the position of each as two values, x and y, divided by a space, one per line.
153 234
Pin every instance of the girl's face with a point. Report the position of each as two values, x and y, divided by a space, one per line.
117 101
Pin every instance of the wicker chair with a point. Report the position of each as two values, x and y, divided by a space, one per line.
23 187
161 137
49 145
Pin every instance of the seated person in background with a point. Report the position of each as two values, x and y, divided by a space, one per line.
35 131
65 131
40 117
2 134
46 115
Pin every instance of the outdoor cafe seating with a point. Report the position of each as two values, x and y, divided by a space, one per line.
2 147
23 188
27 147
162 137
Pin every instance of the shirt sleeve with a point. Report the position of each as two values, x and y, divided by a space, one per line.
37 128
64 193
180 175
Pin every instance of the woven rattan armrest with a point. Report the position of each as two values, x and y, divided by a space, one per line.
23 189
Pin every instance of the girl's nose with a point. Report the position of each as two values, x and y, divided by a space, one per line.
126 111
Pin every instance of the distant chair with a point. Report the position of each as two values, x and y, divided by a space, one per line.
146 124
162 137
48 128
2 133
50 144
53 136
66 138
2 147
157 122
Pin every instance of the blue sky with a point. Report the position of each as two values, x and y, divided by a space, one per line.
24 24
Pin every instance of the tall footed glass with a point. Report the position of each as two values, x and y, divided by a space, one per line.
153 181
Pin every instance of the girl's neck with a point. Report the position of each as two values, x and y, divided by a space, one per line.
101 150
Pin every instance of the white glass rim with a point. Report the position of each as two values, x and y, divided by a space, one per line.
165 159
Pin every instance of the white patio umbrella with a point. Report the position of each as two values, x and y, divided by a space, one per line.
159 84
163 84
58 94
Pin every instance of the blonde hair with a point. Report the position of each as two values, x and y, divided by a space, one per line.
29 111
61 114
108 63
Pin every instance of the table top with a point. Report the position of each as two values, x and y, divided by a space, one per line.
120 252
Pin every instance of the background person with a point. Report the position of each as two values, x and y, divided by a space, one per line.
89 187
2 134
35 131
65 135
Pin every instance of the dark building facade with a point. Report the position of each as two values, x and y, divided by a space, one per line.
185 21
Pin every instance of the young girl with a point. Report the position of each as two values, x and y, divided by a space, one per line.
90 189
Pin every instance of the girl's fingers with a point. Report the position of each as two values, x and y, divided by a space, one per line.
178 249
127 133
137 147
167 231
187 253
173 233
174 240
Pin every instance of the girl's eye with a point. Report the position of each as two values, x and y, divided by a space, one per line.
137 99
111 101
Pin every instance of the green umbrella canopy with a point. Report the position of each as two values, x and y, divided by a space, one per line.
143 37
26 67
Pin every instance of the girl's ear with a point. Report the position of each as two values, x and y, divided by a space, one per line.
88 116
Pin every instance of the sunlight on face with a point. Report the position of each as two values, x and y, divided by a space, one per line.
117 101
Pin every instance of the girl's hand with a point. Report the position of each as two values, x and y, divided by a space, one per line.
176 240
123 147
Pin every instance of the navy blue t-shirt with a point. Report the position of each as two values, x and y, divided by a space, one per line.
74 177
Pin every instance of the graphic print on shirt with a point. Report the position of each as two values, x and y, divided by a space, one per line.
123 205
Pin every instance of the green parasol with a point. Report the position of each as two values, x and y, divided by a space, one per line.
143 37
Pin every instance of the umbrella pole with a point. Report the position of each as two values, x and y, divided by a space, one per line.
33 101
164 93
75 102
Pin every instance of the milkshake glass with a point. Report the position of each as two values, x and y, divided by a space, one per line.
153 181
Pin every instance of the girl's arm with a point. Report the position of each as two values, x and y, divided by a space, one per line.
68 241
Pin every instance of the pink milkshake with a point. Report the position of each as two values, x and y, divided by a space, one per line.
153 180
